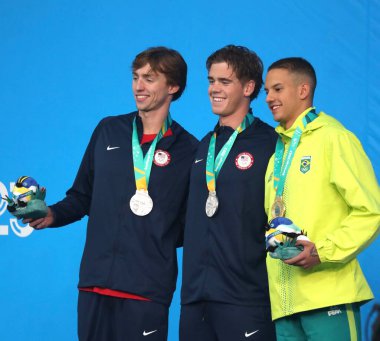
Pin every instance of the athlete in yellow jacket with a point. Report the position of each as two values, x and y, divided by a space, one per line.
330 191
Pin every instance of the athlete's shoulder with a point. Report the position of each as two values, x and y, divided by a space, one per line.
326 122
115 119
261 125
206 138
330 126
264 131
332 134
182 134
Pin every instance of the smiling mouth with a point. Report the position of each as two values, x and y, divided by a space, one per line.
274 107
218 99
141 97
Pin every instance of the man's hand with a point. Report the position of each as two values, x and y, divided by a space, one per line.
41 223
307 258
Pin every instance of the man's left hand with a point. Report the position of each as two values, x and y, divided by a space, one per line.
307 258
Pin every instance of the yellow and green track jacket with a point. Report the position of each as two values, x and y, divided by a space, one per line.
331 192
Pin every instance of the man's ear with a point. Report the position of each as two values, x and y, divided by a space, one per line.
249 88
304 91
173 89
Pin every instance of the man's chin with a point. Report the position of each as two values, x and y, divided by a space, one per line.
141 108
219 113
277 118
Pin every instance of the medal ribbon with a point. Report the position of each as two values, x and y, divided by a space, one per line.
143 165
281 170
214 165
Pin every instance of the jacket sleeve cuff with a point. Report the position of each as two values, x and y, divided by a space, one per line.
323 249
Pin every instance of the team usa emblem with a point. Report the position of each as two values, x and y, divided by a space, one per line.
161 158
305 164
244 161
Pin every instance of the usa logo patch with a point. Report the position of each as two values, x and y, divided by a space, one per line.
305 164
244 161
161 158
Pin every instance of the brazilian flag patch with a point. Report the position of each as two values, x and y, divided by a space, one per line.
305 164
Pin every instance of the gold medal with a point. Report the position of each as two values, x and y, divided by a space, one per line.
278 208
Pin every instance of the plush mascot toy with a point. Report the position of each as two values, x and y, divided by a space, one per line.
27 199
281 237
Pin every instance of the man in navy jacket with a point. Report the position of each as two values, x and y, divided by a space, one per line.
133 185
225 287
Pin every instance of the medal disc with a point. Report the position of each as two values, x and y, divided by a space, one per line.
141 203
278 208
212 204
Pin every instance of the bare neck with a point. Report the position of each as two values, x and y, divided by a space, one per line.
233 120
152 121
288 123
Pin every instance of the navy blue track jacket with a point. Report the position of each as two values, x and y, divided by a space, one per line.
224 256
123 251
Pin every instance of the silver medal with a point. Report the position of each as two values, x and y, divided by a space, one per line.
212 204
141 203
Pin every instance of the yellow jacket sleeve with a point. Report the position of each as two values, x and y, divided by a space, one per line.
352 175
